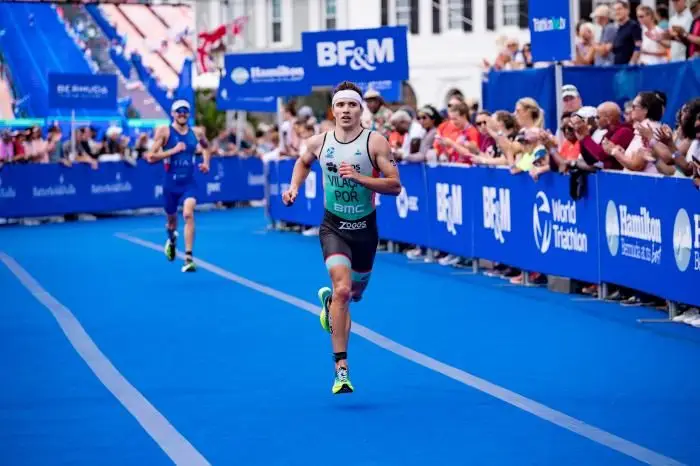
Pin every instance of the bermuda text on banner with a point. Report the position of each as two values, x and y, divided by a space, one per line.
52 189
82 91
637 231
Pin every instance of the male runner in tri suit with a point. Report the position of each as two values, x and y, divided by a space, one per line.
178 144
351 159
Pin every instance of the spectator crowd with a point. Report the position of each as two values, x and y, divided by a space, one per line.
590 136
620 36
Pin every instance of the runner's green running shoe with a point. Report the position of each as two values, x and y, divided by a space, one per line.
342 382
189 267
170 251
324 295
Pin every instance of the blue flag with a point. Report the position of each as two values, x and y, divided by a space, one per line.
184 89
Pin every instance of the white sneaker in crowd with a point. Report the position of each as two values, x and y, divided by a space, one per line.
688 316
449 259
694 320
415 253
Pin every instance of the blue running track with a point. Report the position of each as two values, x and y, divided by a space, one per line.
110 355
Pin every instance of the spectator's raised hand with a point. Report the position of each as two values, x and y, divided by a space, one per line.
676 32
547 139
534 173
492 126
446 141
655 35
617 152
664 134
608 146
645 131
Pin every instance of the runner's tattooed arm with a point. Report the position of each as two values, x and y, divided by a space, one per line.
380 152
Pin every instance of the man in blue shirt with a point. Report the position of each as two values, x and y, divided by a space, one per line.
628 40
177 145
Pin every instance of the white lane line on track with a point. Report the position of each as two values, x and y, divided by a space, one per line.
174 444
535 408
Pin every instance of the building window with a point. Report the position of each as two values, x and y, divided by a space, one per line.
491 15
523 17
414 16
511 12
276 20
403 12
330 14
436 16
467 15
407 14
385 12
454 14
586 8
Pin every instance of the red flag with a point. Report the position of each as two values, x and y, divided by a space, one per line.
238 24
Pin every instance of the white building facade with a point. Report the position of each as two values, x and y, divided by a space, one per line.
448 39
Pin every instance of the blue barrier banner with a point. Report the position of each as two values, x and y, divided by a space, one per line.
449 210
405 217
551 31
308 207
389 90
651 230
225 101
82 91
614 83
274 191
356 55
536 226
505 88
52 189
277 74
597 84
637 231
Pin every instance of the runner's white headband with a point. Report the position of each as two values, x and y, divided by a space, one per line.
347 94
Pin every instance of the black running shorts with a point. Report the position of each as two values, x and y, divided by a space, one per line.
353 242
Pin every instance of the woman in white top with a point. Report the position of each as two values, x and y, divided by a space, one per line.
647 111
654 48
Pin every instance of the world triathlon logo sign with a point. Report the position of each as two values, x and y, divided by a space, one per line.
555 219
542 227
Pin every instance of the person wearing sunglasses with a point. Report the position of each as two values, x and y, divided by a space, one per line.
177 146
